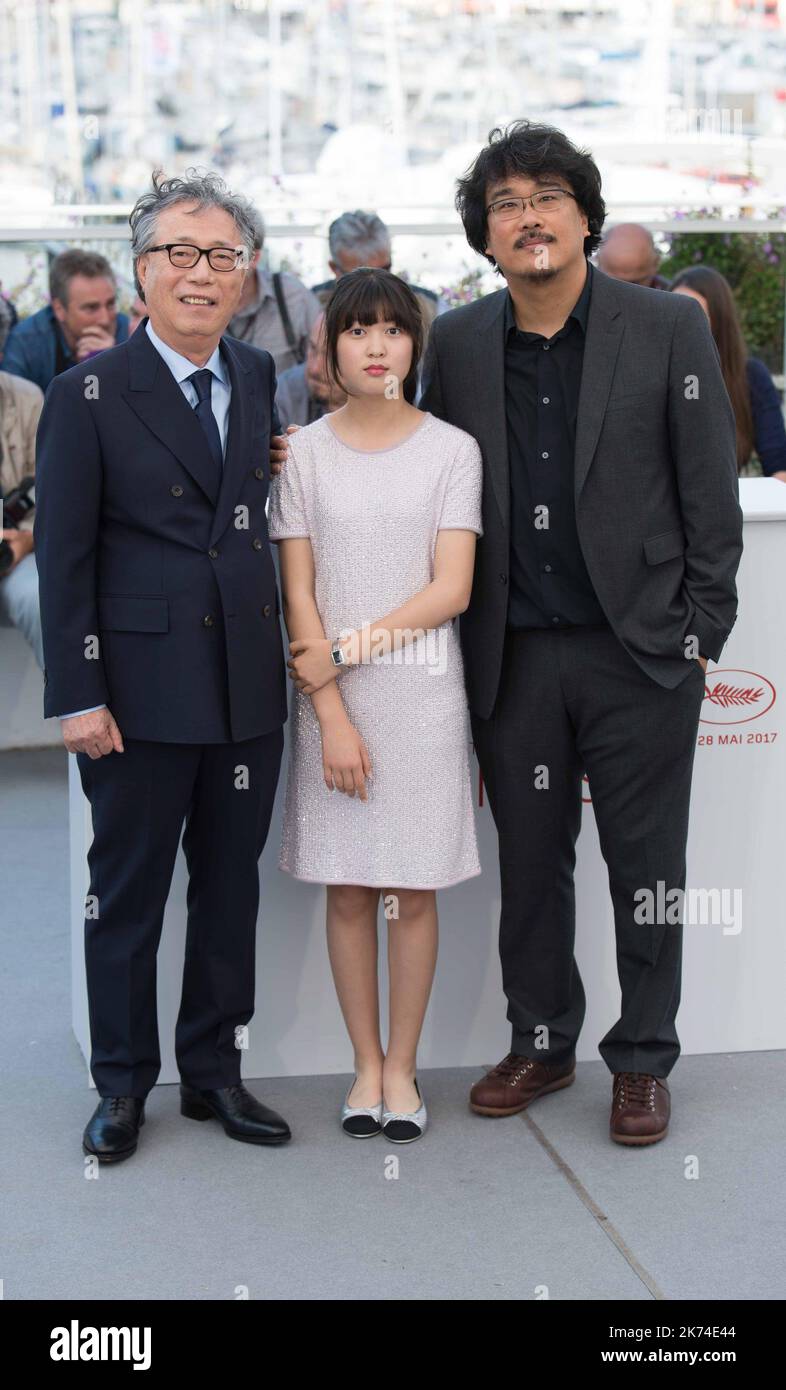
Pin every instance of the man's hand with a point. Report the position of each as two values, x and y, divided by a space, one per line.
702 660
781 476
278 449
95 734
21 543
94 339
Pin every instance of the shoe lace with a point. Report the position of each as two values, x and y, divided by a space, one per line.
513 1067
636 1088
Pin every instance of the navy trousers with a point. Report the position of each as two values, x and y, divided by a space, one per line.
140 800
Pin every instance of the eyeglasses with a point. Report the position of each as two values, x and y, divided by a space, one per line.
218 257
549 200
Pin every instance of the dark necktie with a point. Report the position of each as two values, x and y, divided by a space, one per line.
202 382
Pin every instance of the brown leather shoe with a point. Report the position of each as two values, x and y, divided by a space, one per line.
640 1108
515 1082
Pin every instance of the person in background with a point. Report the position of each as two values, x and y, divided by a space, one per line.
361 238
306 392
20 408
276 309
752 391
12 315
628 253
80 321
138 312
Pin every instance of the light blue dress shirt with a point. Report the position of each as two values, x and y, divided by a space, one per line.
220 396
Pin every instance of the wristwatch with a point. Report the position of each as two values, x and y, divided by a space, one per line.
337 653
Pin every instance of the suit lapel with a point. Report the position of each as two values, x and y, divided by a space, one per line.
155 396
237 453
601 349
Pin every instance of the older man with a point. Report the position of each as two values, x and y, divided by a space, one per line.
164 657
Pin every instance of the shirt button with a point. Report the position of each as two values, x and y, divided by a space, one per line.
547 568
545 347
213 554
546 400
266 611
259 472
257 544
544 455
176 490
555 620
503 579
208 620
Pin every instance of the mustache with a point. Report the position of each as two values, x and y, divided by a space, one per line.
544 236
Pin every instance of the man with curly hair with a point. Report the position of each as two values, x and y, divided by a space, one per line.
604 581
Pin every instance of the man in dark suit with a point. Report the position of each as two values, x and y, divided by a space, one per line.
604 581
163 655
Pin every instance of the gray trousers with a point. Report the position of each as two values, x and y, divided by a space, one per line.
19 604
574 702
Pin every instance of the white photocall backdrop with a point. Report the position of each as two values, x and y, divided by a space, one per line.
734 948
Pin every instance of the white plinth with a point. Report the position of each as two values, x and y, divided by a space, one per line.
732 993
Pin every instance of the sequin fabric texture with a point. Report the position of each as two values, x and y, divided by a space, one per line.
372 518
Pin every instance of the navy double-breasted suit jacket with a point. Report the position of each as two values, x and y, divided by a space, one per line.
157 584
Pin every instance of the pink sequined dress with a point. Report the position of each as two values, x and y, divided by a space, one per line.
372 518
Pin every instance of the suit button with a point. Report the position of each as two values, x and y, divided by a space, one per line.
207 621
176 490
266 611
213 554
259 473
503 579
257 544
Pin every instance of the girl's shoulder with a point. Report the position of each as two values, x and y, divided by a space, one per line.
460 441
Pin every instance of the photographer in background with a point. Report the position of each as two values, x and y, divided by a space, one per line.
20 407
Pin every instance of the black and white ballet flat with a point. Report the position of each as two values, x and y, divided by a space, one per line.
404 1128
361 1122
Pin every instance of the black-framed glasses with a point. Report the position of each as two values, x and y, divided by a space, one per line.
185 257
546 200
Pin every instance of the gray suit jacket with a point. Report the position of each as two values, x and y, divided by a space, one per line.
655 486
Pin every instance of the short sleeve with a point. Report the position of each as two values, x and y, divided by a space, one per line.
461 505
287 518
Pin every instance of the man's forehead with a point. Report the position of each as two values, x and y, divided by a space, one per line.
182 221
515 183
92 287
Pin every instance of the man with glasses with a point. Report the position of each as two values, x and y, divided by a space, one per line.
163 655
604 582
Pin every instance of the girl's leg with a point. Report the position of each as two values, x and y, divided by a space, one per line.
412 956
352 948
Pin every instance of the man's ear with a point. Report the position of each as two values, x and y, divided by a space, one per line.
59 310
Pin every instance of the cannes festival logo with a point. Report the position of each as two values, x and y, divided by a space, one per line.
736 697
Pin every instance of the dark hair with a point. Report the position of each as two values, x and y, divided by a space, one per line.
535 151
727 332
365 296
76 262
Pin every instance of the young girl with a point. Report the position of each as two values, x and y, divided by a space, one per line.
377 509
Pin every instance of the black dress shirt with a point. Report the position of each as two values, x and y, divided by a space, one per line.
549 583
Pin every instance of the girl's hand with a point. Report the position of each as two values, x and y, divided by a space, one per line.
310 664
345 760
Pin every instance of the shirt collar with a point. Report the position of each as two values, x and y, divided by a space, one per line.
179 366
579 312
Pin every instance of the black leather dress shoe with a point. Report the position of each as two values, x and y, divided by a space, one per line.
242 1115
113 1131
